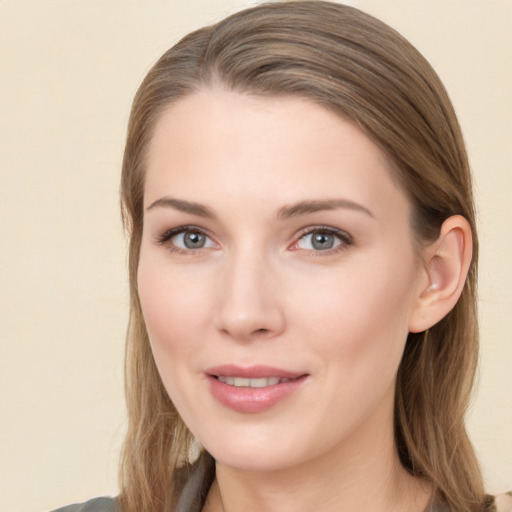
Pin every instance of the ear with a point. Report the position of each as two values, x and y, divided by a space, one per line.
446 265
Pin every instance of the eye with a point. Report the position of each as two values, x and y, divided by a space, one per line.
318 241
323 239
186 239
190 240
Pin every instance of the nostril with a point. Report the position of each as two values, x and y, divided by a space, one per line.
260 333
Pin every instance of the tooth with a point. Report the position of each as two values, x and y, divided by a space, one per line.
225 380
259 383
262 382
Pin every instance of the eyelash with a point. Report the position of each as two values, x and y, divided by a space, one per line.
170 233
345 239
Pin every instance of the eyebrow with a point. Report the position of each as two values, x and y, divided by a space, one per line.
305 207
183 206
286 212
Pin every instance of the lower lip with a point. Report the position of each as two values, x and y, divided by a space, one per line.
246 399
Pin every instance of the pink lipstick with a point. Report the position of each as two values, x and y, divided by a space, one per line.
252 389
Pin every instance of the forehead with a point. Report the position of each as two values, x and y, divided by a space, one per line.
219 143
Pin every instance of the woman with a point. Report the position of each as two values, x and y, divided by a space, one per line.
303 262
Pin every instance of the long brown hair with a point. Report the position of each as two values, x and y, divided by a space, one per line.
358 67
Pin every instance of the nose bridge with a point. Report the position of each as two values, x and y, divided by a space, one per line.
248 292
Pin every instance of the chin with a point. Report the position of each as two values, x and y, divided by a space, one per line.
260 460
249 449
261 450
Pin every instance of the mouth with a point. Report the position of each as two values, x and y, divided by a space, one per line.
253 389
243 382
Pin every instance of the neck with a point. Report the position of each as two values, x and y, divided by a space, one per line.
363 473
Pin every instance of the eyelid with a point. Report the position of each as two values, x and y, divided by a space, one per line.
345 238
167 235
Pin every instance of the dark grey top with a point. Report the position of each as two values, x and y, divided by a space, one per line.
94 505
193 495
194 492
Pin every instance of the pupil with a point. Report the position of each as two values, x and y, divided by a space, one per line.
194 240
323 241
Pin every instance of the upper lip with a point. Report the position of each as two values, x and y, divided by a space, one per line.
252 372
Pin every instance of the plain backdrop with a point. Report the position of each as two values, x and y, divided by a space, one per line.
68 72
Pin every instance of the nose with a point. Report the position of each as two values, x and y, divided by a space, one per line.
249 293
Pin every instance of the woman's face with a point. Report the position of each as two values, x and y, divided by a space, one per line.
277 277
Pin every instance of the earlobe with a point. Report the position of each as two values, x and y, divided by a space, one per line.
446 264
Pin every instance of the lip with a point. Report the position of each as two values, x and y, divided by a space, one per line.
253 400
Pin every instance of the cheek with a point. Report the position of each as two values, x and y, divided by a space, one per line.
170 304
357 329
360 317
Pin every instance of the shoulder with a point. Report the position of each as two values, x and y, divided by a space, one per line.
504 502
94 505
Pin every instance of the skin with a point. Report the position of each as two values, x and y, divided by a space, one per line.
259 292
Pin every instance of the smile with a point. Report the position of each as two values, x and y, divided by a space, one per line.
243 382
253 389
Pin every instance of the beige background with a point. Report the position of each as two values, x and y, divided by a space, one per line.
68 71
